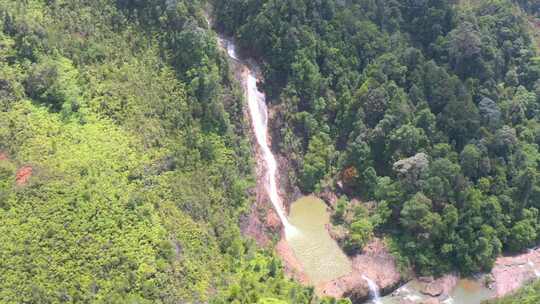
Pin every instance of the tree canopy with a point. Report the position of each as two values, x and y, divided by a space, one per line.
427 108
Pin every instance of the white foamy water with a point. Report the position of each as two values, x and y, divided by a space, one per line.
450 300
231 50
373 290
259 118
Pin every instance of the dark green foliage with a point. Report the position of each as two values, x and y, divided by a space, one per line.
429 107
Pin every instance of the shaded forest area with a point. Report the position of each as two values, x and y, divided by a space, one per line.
428 108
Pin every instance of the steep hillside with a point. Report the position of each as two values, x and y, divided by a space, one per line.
430 109
124 163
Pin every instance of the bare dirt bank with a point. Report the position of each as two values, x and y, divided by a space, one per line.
512 272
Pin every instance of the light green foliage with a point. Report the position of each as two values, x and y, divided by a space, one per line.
361 232
139 178
270 301
529 294
261 280
81 242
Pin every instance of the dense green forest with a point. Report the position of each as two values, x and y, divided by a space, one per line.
428 108
122 110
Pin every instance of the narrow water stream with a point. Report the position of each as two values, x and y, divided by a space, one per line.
374 290
321 258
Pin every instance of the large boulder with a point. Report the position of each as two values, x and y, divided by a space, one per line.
329 197
510 273
376 263
410 169
351 286
379 265
440 287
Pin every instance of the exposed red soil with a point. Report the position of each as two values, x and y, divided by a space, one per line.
291 265
252 227
378 264
272 219
3 156
512 272
23 174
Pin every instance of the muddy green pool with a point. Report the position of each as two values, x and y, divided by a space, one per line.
319 254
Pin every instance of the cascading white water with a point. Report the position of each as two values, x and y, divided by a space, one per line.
373 289
231 50
259 117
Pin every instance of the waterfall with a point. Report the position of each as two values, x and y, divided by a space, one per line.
259 117
373 290
231 49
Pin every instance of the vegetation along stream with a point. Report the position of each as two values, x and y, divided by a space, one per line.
305 228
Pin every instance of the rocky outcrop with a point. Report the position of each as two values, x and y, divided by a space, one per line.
378 264
375 263
425 301
512 272
288 190
329 197
351 286
440 287
411 168
262 221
